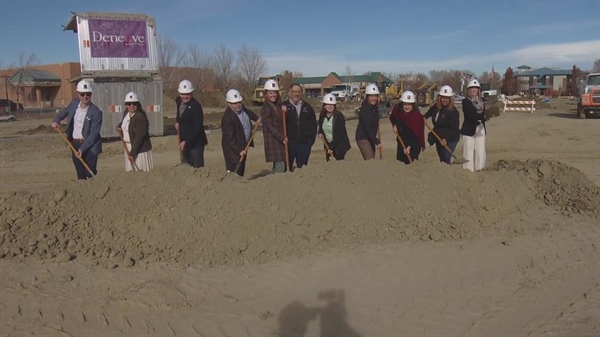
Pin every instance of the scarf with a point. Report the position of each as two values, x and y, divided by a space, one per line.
413 120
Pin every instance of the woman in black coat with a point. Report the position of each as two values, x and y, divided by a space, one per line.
446 122
368 124
332 129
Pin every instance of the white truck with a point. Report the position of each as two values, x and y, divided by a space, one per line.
344 92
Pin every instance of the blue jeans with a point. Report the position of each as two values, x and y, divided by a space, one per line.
445 156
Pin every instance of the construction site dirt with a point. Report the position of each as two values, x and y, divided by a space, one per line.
340 248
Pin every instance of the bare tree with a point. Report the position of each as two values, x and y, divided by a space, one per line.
573 83
297 74
287 78
250 64
169 56
199 62
223 65
349 73
25 62
596 67
437 76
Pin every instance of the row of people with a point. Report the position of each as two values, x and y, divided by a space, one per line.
290 129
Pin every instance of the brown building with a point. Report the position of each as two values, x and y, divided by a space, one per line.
43 86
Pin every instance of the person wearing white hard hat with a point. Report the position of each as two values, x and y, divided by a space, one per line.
332 129
473 129
84 121
136 135
236 129
368 123
273 132
190 125
446 123
408 124
301 123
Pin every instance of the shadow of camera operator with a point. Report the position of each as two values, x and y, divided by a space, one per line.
295 317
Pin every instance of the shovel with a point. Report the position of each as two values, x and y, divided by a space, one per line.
237 167
326 146
75 152
458 161
287 155
380 148
131 161
179 148
403 146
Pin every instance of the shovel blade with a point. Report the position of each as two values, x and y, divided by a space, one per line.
459 161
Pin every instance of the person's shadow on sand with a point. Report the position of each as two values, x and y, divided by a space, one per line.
294 318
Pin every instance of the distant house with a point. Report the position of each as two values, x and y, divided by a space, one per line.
542 79
42 86
319 85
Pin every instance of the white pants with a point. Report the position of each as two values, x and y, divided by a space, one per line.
474 150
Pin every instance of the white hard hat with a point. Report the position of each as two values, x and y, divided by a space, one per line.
446 91
371 89
473 83
84 86
185 87
272 85
329 99
233 96
408 97
131 97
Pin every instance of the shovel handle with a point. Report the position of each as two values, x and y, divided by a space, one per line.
379 138
403 145
287 155
75 152
237 167
127 152
179 145
440 139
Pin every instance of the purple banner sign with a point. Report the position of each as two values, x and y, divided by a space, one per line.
118 38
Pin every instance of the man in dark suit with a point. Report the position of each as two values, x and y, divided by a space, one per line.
236 130
190 125
301 122
84 121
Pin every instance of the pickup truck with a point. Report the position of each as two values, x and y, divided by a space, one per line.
588 103
344 92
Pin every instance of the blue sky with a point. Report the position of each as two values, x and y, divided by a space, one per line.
316 37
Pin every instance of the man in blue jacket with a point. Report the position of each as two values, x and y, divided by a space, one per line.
84 121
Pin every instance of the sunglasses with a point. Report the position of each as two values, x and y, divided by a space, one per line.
88 94
130 104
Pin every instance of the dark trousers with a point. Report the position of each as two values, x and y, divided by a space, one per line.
90 159
231 167
193 156
445 156
335 155
299 153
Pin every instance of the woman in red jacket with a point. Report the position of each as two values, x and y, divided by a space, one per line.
409 126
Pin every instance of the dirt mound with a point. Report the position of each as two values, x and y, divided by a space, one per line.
209 217
42 129
557 184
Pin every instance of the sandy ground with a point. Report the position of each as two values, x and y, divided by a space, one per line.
348 248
